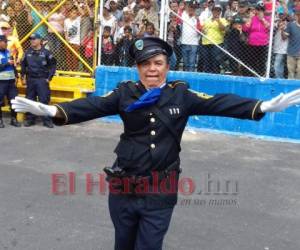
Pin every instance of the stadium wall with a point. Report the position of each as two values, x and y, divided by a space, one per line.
282 125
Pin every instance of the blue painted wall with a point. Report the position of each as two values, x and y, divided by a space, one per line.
283 124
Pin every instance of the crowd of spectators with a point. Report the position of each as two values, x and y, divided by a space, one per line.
239 26
73 21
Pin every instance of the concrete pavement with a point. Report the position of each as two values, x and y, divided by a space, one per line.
260 211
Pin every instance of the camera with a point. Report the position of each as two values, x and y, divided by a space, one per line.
145 21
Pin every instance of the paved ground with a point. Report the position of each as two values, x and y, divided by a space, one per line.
263 215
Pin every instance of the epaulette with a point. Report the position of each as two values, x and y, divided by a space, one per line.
119 85
125 82
176 83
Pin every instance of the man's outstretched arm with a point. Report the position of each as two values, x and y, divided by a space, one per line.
76 111
238 107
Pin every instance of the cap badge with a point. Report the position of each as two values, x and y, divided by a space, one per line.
139 44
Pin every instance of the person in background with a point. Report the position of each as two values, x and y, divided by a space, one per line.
268 7
23 19
8 75
131 4
280 46
174 6
282 8
173 39
258 30
13 2
296 6
122 48
147 14
189 38
292 33
108 48
37 70
236 44
108 20
232 10
88 45
112 5
56 46
126 21
291 4
72 35
69 4
12 15
225 4
3 16
3 4
214 29
86 26
42 10
148 32
181 8
14 46
243 11
207 13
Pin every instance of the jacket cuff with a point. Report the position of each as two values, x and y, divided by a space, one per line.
257 114
60 121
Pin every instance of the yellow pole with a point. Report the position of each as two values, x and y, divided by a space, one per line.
96 33
59 36
73 73
42 21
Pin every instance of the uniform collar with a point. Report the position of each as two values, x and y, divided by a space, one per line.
142 87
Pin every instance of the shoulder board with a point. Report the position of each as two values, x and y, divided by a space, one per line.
107 94
201 94
120 84
125 83
176 83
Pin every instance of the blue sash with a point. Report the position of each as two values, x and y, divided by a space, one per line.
146 100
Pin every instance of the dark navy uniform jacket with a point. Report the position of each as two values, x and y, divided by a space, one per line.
38 64
146 143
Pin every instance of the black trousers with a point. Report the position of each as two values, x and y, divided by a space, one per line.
136 226
211 58
37 90
256 59
9 90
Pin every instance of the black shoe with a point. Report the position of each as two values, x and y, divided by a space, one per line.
48 124
15 123
1 124
29 123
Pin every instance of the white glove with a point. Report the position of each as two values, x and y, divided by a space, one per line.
23 105
281 102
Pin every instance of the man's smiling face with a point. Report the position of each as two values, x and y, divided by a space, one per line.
153 71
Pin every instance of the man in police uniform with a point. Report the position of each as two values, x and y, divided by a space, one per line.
38 66
154 113
7 80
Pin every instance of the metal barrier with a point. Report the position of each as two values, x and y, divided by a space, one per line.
41 11
235 38
74 47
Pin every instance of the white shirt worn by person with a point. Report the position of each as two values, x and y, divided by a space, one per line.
280 45
205 15
111 22
72 28
189 35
